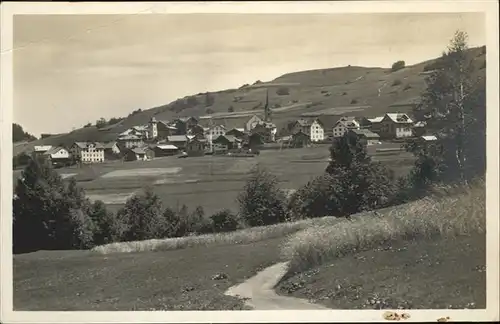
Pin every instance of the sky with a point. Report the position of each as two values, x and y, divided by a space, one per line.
74 69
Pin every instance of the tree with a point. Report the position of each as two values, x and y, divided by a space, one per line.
283 91
143 216
230 109
47 213
261 201
108 228
357 182
397 66
19 135
172 223
454 102
101 123
224 221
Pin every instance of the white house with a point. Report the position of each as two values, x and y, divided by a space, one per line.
344 125
396 125
215 131
85 152
41 149
317 132
130 141
57 153
252 122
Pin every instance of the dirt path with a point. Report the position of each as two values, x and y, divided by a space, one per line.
260 295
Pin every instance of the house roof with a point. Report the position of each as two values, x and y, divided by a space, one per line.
167 147
42 148
109 145
54 150
365 132
420 124
84 145
328 121
177 138
429 138
376 119
349 123
138 150
128 138
303 122
399 118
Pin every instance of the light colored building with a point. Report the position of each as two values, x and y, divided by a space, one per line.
215 131
130 141
344 125
395 125
302 125
88 152
57 153
41 149
252 122
317 132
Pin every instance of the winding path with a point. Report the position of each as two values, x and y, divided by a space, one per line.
260 295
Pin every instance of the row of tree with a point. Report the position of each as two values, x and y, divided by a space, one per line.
19 135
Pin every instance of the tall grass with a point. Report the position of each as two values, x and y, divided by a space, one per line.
244 236
462 213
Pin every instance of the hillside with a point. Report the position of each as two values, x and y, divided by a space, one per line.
346 90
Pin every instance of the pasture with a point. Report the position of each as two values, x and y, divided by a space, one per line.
212 182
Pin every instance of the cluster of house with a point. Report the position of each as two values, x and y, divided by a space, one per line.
197 137
369 130
188 135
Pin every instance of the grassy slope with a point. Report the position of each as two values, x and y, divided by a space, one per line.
435 274
359 83
171 280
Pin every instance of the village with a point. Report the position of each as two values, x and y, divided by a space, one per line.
194 137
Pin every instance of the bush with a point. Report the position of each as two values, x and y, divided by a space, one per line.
354 101
313 199
224 221
396 82
209 111
142 217
283 91
108 228
262 202
397 66
230 109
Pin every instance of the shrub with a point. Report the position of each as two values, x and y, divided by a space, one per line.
108 228
396 82
397 66
230 109
313 199
209 111
354 101
143 216
172 223
283 91
224 221
261 201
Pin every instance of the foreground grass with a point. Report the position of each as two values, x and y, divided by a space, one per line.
433 217
173 280
417 274
245 236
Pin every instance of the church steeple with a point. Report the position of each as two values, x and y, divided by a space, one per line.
267 112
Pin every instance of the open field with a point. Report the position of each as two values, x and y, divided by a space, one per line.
169 280
212 182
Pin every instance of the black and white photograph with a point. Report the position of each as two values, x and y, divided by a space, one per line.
219 160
